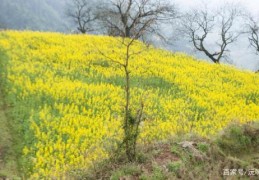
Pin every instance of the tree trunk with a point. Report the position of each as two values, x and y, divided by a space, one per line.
127 32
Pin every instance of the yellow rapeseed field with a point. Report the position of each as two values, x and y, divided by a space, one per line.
67 98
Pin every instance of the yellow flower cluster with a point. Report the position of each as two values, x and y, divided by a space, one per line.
68 97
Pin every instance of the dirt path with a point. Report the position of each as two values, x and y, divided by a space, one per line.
8 162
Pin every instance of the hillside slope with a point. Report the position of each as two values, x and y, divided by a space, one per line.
67 98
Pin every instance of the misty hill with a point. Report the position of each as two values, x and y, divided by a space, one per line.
44 15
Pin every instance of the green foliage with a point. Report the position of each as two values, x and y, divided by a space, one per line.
183 154
142 157
129 170
144 177
237 139
203 147
176 150
252 98
174 166
102 63
8 163
157 173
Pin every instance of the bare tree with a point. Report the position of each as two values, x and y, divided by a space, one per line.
126 18
199 24
131 20
253 31
132 116
254 35
82 14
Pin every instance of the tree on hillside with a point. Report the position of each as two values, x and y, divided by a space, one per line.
254 35
133 114
199 24
132 20
126 18
82 14
253 31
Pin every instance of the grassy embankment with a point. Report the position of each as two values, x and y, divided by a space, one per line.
8 150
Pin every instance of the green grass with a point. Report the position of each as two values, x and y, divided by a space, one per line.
8 141
8 161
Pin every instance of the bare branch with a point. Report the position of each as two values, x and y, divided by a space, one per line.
82 14
198 24
135 18
254 34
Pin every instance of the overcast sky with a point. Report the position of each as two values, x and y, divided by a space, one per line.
242 55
